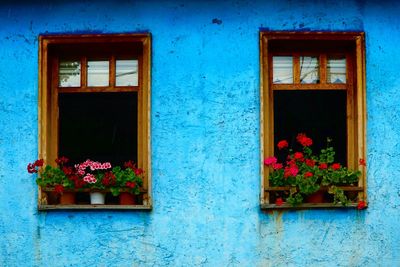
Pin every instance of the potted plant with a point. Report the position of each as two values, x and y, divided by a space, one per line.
128 181
93 174
305 173
56 180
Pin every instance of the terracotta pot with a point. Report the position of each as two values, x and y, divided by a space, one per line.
67 198
126 198
97 198
317 197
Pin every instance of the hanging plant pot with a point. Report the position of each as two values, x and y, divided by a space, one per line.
126 198
317 197
97 198
67 198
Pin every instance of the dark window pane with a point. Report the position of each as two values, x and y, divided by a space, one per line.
319 114
98 126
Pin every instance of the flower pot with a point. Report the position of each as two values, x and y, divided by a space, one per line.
97 198
126 198
317 197
67 198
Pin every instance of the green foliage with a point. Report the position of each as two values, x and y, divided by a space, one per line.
124 178
305 173
51 176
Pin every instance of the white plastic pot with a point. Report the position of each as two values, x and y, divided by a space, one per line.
97 198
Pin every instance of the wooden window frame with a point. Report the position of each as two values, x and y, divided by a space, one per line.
48 104
356 105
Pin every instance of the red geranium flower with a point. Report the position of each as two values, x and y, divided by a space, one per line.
39 163
335 166
109 179
62 160
282 144
130 184
67 170
31 168
361 205
310 162
270 161
138 171
323 166
291 171
298 155
130 165
308 174
363 162
279 201
79 183
58 189
277 166
304 140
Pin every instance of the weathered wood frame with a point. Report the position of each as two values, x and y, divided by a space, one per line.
48 104
356 104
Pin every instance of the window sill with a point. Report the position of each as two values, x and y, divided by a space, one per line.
94 207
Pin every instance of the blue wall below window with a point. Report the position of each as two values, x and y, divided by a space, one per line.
205 140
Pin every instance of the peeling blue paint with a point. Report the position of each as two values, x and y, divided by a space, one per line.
205 140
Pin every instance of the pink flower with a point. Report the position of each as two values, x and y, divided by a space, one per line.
107 165
90 178
363 162
269 161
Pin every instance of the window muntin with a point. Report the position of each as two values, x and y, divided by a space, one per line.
348 47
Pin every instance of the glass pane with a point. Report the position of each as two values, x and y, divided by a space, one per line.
282 69
69 73
336 70
309 70
126 72
98 73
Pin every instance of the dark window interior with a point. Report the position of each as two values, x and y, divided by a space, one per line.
98 126
319 114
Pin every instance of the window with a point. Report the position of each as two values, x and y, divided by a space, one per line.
94 103
313 83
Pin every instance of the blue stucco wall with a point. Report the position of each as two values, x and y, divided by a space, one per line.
205 141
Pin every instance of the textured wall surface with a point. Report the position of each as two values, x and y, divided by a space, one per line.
205 140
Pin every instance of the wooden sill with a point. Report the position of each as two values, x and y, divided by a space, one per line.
308 206
94 207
